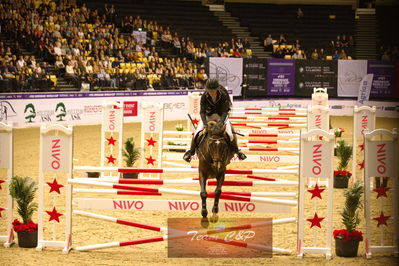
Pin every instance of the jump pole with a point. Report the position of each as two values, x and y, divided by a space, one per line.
179 234
143 193
183 170
209 182
7 163
184 192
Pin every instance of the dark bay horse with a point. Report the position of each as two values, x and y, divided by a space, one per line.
214 154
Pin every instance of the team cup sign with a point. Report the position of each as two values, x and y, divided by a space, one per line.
56 154
227 238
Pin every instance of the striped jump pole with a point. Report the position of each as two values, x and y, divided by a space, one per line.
182 170
185 147
270 113
268 118
262 132
129 192
260 125
180 234
269 109
246 141
165 237
183 192
119 221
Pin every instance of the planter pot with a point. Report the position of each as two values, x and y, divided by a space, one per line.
27 240
130 175
346 248
340 182
93 174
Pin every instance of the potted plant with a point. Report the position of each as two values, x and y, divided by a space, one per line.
22 190
179 127
347 240
131 154
341 175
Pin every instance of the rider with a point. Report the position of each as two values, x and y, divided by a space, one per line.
215 100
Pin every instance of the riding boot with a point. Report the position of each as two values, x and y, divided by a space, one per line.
236 150
191 151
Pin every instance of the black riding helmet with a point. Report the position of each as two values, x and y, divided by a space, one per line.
212 84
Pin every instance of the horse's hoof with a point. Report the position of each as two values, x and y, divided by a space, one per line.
214 218
204 222
204 213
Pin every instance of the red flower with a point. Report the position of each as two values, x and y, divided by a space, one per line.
346 235
342 173
19 227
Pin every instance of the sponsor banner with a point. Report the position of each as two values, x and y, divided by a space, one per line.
280 77
154 118
318 159
228 71
26 110
383 82
5 150
112 118
316 74
255 76
350 74
382 162
130 108
84 108
227 238
364 89
55 154
178 205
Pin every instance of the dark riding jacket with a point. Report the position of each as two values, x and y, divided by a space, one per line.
221 107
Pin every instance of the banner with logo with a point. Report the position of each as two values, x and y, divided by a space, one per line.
280 77
350 73
26 109
316 74
255 76
384 78
56 155
228 71
364 89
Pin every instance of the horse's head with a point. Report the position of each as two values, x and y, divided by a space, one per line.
218 148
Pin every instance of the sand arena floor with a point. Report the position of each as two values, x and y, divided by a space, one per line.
89 231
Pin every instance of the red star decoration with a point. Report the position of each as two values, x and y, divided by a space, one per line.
150 160
1 209
195 121
111 141
316 192
382 191
361 165
315 220
1 181
151 142
382 219
361 146
54 215
111 159
54 186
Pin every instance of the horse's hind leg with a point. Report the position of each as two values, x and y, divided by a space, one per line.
204 195
218 192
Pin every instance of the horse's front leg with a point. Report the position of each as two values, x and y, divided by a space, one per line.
204 195
218 192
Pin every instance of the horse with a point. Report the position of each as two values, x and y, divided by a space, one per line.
214 154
